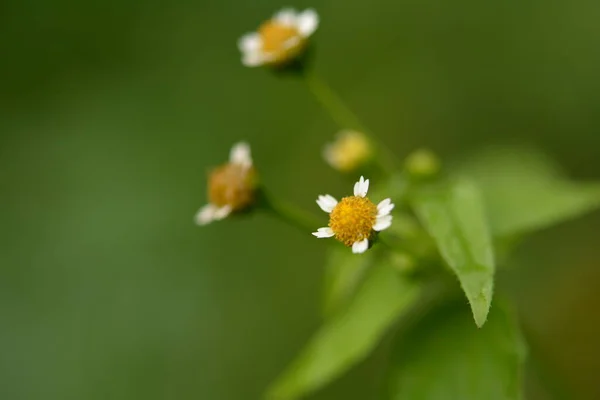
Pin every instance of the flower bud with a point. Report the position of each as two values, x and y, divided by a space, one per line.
349 151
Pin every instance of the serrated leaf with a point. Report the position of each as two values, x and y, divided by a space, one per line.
350 335
525 191
453 215
445 357
344 271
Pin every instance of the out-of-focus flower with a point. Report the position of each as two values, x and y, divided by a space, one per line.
349 151
422 163
279 40
231 186
355 219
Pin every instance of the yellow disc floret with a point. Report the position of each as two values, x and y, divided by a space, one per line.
352 219
281 42
232 185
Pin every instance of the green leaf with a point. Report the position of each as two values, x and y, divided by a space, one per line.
350 335
344 271
446 357
525 191
453 215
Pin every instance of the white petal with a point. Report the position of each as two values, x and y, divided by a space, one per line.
221 212
384 207
382 223
291 42
384 203
360 247
357 186
267 57
307 22
361 187
253 59
287 16
250 42
205 215
327 203
240 154
323 233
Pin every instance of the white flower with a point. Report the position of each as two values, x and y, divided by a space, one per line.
350 150
355 219
231 186
280 39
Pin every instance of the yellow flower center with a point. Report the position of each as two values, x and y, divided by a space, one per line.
352 219
281 42
349 151
233 185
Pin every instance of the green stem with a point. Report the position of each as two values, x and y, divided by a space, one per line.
333 103
345 118
289 213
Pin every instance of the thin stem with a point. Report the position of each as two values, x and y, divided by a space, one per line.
345 118
289 213
333 103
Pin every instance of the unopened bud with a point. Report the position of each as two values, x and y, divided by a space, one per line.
349 151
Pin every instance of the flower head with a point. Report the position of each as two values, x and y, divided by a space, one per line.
350 150
231 186
355 219
279 40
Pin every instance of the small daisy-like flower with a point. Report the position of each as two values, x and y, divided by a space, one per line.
231 186
350 150
355 219
280 39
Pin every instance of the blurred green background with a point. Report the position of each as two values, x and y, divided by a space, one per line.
112 112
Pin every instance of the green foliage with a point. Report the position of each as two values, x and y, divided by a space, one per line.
454 216
525 191
111 118
350 335
446 357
